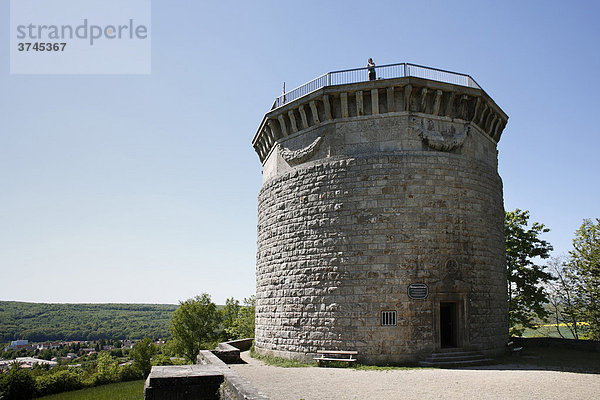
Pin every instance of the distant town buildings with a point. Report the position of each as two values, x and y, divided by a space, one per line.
17 344
26 362
47 346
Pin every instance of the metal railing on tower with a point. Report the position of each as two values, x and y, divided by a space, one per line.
388 71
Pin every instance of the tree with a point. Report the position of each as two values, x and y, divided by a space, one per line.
562 297
194 322
584 269
526 293
108 369
243 325
142 355
230 314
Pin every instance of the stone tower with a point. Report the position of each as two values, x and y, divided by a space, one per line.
380 218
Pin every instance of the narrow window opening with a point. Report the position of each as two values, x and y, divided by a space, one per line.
388 318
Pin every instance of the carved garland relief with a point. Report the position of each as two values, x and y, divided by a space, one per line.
443 140
294 157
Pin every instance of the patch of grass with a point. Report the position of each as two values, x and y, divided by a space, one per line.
285 363
384 368
549 330
280 362
336 364
133 390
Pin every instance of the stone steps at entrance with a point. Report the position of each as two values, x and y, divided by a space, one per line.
446 350
455 358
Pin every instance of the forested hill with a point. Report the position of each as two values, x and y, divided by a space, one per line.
40 322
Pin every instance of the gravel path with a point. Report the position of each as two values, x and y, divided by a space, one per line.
492 382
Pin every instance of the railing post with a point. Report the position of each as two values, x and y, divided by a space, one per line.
329 79
405 74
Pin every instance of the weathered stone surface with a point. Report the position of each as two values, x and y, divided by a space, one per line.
234 387
385 200
242 344
183 382
227 353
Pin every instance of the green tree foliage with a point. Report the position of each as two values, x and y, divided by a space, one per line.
42 380
161 359
230 313
58 381
142 355
40 322
584 270
17 384
129 372
526 279
108 369
242 326
193 323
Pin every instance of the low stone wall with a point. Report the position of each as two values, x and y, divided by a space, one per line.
237 388
184 382
209 379
241 344
229 352
575 344
206 357
234 387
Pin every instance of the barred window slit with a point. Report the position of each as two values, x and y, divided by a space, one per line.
388 318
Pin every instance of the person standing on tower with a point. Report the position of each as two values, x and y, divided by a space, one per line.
371 69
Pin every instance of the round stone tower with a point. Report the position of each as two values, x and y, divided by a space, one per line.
380 219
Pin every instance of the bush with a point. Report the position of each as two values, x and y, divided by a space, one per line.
130 372
59 381
17 384
161 359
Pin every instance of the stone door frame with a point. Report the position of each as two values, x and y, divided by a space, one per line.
462 313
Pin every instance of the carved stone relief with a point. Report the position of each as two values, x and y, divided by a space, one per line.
443 137
294 157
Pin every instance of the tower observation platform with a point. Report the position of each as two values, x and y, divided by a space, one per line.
380 219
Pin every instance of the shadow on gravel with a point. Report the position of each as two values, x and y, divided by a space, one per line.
548 359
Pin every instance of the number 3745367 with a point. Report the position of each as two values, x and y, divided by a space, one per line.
41 46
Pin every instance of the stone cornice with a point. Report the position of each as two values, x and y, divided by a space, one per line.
406 95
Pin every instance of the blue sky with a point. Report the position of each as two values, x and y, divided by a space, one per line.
143 188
